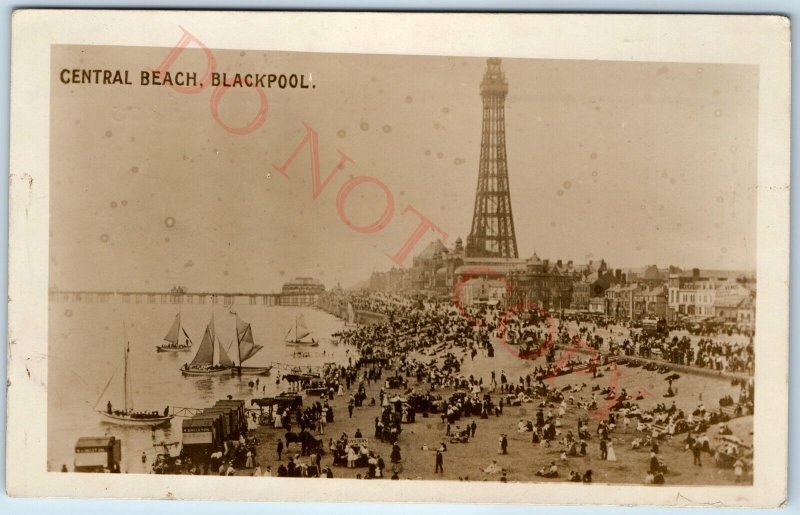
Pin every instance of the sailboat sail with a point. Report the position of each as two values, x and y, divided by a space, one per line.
187 341
174 331
205 354
302 330
224 359
247 346
127 390
351 315
298 331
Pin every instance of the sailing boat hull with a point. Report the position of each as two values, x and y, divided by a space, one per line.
173 349
252 371
122 420
207 372
302 344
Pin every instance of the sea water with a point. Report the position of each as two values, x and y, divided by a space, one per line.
86 348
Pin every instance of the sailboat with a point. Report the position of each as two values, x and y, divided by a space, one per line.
247 349
173 338
300 335
128 416
204 362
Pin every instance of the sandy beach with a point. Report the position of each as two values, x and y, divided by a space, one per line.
467 460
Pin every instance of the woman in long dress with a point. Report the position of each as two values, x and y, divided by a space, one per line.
351 457
612 456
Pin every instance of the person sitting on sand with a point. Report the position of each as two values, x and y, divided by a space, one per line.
493 468
572 449
548 471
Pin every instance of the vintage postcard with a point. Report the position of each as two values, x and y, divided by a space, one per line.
491 258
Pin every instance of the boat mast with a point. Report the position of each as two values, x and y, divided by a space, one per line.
213 338
125 380
238 341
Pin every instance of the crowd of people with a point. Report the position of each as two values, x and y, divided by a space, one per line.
412 366
439 331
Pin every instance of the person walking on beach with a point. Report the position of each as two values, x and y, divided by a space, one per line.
655 466
472 428
696 448
738 470
610 454
603 449
280 449
395 455
503 444
439 462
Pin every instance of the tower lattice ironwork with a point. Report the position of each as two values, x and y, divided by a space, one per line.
492 233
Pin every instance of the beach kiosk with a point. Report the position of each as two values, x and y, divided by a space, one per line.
97 454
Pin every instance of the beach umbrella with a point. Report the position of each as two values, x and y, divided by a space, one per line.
672 376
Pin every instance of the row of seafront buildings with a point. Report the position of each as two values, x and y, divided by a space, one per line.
632 294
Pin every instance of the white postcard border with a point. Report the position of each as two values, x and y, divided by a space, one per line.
763 41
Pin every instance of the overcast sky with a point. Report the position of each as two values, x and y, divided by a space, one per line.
638 163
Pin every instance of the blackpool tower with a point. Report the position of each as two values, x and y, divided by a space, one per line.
492 234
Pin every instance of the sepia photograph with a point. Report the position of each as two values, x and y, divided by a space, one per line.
421 266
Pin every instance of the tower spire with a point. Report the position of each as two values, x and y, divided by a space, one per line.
492 233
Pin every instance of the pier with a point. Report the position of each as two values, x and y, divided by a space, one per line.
156 297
